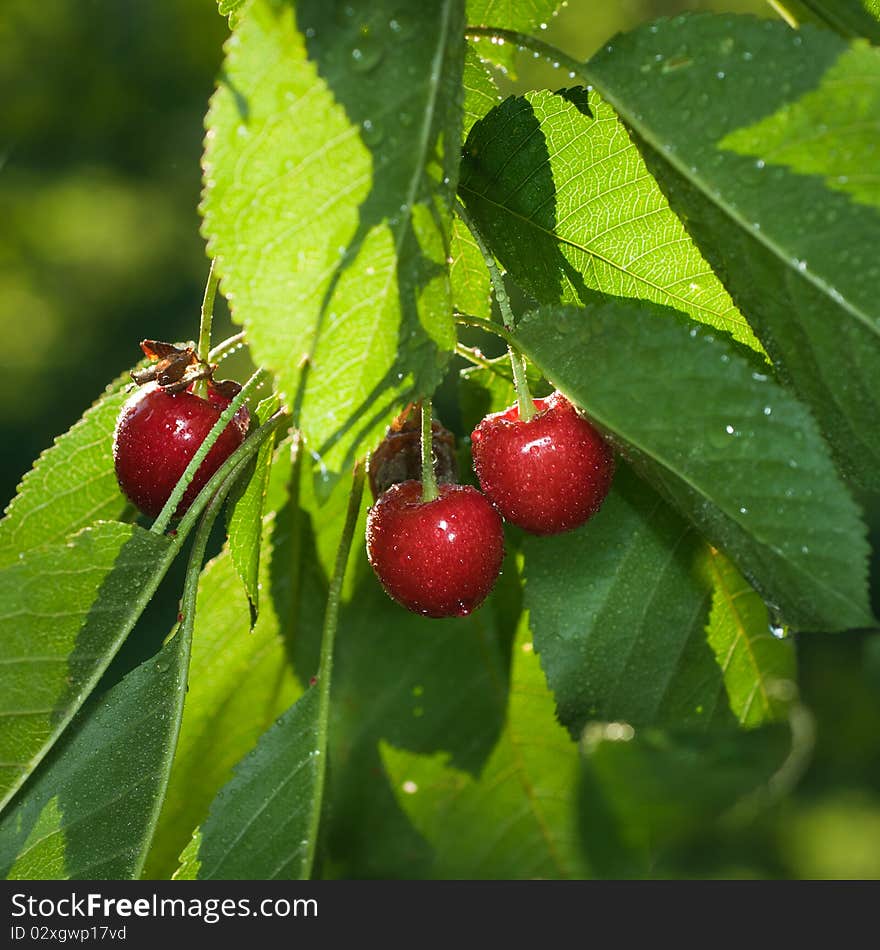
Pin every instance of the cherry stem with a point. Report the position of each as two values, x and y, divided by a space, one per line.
225 347
467 320
556 56
325 666
167 512
200 388
429 482
520 383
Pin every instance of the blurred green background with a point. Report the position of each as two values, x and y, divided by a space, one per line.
100 140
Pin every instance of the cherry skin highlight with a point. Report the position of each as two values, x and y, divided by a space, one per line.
547 475
157 434
439 558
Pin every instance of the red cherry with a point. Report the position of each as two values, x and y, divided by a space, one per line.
439 558
547 475
157 433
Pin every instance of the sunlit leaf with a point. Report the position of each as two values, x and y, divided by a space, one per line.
71 485
563 196
789 231
330 167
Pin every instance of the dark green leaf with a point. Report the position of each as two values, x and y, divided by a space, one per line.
259 824
245 511
330 168
619 611
423 685
90 811
790 229
516 820
66 610
850 18
619 608
735 452
564 198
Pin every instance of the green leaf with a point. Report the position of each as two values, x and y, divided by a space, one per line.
527 16
330 169
823 132
71 485
90 811
422 685
734 451
480 91
565 201
258 825
759 668
233 9
618 609
468 274
118 755
240 681
244 521
851 18
517 820
66 610
789 231
644 790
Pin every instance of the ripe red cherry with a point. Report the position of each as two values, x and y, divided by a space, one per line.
547 475
157 434
439 558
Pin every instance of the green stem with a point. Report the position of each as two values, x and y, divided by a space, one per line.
466 320
473 355
167 513
520 383
325 668
786 15
551 53
429 482
228 346
207 319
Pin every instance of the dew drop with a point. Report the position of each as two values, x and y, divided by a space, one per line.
402 23
371 133
367 55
